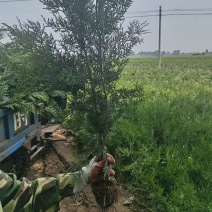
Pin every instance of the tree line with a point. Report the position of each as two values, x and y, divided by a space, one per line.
168 53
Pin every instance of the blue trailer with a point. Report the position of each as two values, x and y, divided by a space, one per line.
18 130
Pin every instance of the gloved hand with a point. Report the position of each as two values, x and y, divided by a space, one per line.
91 172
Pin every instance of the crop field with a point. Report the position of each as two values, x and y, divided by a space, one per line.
178 75
164 145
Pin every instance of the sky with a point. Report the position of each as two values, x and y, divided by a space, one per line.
187 33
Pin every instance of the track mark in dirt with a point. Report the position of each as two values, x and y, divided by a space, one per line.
54 160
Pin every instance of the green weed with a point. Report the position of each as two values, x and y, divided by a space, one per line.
163 147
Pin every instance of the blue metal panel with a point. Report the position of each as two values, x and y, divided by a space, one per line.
11 124
2 112
28 120
15 143
12 149
2 130
36 118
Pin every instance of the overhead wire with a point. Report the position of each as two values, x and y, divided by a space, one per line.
170 14
196 14
141 16
197 9
148 11
174 12
142 12
11 1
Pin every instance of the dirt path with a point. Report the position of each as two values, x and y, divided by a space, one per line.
55 160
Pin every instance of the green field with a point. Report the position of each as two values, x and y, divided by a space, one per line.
164 146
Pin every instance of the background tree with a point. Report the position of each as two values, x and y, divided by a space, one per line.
176 52
3 84
38 65
132 53
32 68
1 34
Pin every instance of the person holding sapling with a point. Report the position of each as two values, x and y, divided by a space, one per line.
44 194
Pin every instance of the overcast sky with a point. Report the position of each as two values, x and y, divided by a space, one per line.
187 33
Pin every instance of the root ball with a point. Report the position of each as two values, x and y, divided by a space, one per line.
105 192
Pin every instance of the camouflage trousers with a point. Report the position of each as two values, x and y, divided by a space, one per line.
43 194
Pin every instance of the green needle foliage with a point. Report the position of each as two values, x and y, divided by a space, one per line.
86 61
92 33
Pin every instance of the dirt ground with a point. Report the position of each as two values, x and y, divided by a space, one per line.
54 160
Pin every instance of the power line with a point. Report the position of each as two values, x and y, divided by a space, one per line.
169 14
188 10
196 14
175 12
139 16
172 10
159 45
11 1
142 12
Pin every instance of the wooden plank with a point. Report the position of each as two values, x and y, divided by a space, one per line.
50 128
55 139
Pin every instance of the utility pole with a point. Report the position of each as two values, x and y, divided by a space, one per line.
159 45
